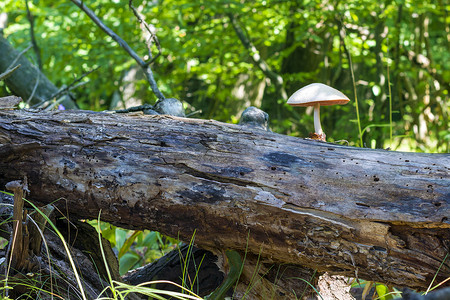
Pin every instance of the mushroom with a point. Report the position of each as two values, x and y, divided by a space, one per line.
317 94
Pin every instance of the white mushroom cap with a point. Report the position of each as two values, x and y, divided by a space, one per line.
317 93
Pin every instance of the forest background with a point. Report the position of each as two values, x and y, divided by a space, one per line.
220 57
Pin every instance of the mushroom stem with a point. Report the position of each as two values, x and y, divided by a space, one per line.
317 126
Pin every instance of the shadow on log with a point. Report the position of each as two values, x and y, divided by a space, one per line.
375 214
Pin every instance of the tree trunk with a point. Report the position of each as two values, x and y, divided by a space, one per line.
23 80
375 214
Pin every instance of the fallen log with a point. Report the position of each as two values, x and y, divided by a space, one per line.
376 214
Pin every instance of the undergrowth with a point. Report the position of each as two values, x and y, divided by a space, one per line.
119 290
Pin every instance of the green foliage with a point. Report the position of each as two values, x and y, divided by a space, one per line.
120 290
235 261
135 248
205 64
382 292
124 289
385 293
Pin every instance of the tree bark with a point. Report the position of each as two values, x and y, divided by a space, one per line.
375 214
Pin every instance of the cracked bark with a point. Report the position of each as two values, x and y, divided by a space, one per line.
381 215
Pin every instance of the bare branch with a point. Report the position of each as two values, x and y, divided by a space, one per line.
34 88
135 108
36 48
19 56
73 85
147 70
151 32
8 72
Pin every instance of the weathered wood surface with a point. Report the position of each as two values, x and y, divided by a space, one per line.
379 214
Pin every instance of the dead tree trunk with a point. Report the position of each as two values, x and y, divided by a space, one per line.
23 80
378 214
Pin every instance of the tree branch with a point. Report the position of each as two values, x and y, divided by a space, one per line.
8 72
34 87
151 33
72 86
147 70
19 56
36 49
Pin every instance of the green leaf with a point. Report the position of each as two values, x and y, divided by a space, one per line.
128 242
128 261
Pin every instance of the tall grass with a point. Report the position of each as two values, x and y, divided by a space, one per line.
66 248
430 288
390 96
356 95
361 132
119 290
